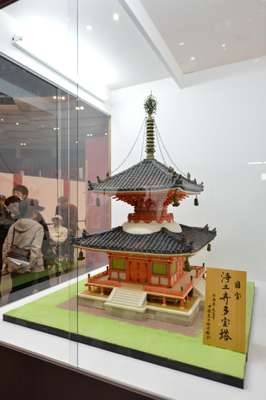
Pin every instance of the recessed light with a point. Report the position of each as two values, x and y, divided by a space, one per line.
89 28
116 17
23 144
63 98
56 128
192 58
256 162
2 120
181 44
76 141
54 97
106 133
223 45
17 123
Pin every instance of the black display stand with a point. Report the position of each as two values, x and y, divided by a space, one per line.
165 362
26 376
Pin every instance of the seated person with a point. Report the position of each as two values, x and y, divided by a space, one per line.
24 236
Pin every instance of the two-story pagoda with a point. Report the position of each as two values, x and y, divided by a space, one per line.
150 249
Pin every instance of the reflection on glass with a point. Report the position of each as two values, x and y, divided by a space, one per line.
51 144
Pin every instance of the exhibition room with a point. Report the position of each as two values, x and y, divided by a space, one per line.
132 199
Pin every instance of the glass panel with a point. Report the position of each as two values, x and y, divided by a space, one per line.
39 171
29 177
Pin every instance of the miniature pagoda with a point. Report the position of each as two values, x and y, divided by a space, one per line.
150 252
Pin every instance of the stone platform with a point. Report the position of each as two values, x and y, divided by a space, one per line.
129 303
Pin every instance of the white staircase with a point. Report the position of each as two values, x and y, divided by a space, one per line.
127 299
200 288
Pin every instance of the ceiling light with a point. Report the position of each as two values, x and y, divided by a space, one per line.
59 97
106 133
76 141
2 120
116 17
56 128
17 123
192 58
79 108
89 28
223 45
181 44
263 176
256 162
23 144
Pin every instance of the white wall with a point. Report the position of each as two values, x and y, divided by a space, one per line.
212 130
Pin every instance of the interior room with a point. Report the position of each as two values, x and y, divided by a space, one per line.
128 127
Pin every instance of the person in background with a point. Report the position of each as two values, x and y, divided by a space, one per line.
9 212
12 204
21 191
4 226
2 203
58 236
27 234
46 246
69 214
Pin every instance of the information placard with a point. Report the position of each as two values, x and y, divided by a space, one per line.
225 309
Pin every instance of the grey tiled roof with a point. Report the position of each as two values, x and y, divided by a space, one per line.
146 175
190 240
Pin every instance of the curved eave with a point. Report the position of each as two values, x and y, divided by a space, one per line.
113 192
103 250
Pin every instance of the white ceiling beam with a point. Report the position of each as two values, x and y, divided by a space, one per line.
144 23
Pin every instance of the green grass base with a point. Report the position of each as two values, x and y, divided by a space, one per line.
171 345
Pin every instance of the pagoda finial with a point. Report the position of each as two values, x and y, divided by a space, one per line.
150 107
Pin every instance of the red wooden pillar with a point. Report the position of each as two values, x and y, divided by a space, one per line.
169 273
18 179
110 264
98 218
127 269
66 189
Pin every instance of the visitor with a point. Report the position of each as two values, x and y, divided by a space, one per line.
9 212
58 236
69 214
22 248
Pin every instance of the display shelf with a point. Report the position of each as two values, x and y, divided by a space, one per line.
133 372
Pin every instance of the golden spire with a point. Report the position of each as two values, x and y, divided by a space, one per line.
150 107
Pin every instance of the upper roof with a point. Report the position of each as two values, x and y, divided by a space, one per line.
147 175
163 242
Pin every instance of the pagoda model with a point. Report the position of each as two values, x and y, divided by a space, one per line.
150 251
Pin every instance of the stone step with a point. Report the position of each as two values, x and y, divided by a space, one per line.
127 297
200 287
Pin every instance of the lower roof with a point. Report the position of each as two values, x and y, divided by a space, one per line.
164 242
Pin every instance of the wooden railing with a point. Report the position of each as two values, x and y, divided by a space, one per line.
199 269
97 276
